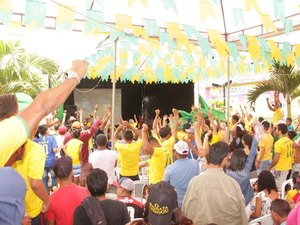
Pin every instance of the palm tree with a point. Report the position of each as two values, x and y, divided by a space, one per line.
21 71
283 78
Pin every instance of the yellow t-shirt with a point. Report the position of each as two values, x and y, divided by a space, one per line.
159 161
267 143
291 193
32 166
284 147
180 135
169 145
73 150
130 157
248 125
278 115
214 139
14 133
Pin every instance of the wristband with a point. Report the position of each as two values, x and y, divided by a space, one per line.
74 75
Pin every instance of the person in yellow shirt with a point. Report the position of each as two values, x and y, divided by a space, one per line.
160 158
17 129
129 151
278 114
282 161
73 149
265 149
166 135
31 168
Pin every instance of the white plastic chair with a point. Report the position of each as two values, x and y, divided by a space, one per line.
263 220
138 188
290 182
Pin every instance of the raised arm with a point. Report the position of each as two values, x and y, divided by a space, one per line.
81 115
175 119
205 143
251 155
154 125
135 130
269 105
146 144
51 99
120 127
212 122
64 117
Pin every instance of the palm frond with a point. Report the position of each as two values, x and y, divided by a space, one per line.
260 88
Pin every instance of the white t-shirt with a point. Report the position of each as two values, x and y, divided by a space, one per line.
105 160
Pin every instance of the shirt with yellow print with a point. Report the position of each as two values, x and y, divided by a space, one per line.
73 150
169 143
284 147
130 157
32 167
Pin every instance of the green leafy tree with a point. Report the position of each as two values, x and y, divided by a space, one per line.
283 78
21 71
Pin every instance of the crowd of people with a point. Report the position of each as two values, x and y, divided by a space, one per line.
198 171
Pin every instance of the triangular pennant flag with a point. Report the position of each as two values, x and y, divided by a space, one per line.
204 45
286 49
139 31
169 4
94 22
263 44
267 23
123 22
275 51
164 38
243 41
191 31
251 4
288 26
206 9
5 12
114 34
65 18
238 16
218 42
278 6
173 29
151 27
35 14
254 48
131 2
234 53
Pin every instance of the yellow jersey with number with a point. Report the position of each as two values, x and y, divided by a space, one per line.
284 147
159 161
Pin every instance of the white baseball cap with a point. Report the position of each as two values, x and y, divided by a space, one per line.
181 147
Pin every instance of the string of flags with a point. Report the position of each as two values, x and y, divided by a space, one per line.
176 54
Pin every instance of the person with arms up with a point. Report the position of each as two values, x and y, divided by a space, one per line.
15 130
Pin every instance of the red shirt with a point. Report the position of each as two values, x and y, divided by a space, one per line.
64 202
84 137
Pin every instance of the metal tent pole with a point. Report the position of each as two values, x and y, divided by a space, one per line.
113 95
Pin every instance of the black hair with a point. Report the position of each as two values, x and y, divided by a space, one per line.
152 139
289 119
128 135
266 125
217 152
8 106
240 130
186 126
282 127
281 207
101 140
207 122
237 160
42 130
164 131
203 136
292 134
97 182
260 119
235 117
76 133
63 167
247 138
266 181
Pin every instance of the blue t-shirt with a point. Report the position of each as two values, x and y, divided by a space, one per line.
48 143
191 154
179 175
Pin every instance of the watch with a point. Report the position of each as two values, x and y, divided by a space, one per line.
74 75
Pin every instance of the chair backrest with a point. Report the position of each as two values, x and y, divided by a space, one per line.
290 182
138 188
263 220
